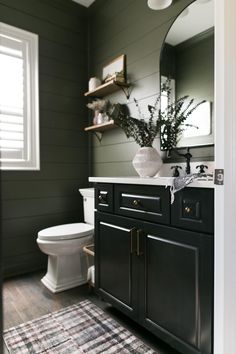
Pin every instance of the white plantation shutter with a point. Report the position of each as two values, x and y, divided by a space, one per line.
19 118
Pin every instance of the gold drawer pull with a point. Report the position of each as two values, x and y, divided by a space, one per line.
136 202
187 209
101 199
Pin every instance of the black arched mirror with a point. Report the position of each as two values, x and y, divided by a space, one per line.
187 60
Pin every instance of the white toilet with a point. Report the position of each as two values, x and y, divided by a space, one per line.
64 246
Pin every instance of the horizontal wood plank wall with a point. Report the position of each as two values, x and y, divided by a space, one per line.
129 27
35 200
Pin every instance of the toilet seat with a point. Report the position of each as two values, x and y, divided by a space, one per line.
66 232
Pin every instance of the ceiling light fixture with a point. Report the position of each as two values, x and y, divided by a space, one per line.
159 4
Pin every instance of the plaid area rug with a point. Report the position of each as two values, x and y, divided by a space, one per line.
81 328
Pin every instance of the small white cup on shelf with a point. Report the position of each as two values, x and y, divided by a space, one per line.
94 82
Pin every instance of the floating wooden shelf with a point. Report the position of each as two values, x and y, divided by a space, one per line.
101 127
106 89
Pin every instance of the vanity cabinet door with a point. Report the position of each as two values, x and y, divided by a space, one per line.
116 262
177 287
193 209
104 197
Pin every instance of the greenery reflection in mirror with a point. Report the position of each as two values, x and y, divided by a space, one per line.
187 60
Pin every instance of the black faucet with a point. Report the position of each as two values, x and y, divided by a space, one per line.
188 157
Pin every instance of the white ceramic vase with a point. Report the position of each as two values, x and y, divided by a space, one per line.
147 162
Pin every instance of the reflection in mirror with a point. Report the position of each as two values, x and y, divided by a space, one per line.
187 59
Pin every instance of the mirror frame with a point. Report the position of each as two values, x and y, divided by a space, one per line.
199 141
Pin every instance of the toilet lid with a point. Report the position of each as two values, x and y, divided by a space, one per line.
66 232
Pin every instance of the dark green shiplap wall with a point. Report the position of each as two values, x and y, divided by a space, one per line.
34 200
129 27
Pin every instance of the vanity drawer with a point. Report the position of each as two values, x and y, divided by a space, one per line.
143 202
193 209
104 197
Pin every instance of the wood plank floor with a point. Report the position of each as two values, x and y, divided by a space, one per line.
25 298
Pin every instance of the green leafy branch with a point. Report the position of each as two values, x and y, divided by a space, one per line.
170 122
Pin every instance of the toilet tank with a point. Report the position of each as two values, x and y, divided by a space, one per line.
88 201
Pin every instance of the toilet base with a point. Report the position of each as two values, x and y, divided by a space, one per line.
56 288
65 272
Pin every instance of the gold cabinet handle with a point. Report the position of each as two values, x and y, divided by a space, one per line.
187 209
139 253
132 235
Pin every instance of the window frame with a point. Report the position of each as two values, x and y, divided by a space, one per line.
31 159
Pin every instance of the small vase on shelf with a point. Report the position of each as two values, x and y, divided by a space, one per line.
100 118
95 118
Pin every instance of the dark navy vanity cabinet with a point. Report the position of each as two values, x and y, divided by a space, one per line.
154 260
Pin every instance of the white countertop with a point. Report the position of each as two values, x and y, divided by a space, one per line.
152 181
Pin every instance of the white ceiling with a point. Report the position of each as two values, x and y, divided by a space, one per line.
85 3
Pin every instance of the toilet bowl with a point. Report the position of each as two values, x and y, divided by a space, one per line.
64 244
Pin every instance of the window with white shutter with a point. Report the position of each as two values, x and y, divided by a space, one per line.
19 107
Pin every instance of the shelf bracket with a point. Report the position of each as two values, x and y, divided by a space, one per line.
98 136
126 91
